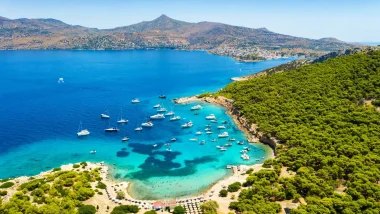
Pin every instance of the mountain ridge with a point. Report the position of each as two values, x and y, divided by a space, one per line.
162 32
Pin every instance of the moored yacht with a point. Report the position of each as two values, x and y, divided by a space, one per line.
211 117
162 96
245 156
224 134
203 142
175 118
111 129
214 121
187 125
221 127
147 124
82 132
228 144
170 113
157 106
198 133
241 142
223 149
138 129
209 132
161 110
173 139
125 139
197 107
121 120
136 100
104 116
92 151
231 139
157 116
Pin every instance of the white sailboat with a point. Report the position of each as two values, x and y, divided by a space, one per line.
157 106
175 118
82 132
224 134
157 116
136 100
147 124
211 117
197 107
121 120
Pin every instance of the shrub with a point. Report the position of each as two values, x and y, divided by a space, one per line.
125 209
223 193
2 193
179 210
209 207
150 212
101 185
100 193
83 163
120 195
234 187
249 171
76 166
87 209
56 169
6 185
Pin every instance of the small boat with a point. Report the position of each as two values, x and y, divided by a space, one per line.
203 142
228 144
214 121
82 132
241 142
104 116
157 106
225 122
167 144
224 134
193 139
219 147
187 125
243 151
170 113
209 132
207 129
221 127
223 149
111 129
125 139
214 140
161 110
135 101
147 124
231 139
196 113
208 125
173 139
93 152
154 145
157 117
211 117
169 150
175 118
198 133
121 120
197 107
138 129
245 156
162 96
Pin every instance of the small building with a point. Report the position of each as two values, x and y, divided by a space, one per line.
158 205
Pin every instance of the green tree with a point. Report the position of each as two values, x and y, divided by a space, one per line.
234 187
179 210
87 209
223 193
209 207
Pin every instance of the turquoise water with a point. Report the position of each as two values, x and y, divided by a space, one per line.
40 116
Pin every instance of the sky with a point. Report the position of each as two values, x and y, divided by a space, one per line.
347 20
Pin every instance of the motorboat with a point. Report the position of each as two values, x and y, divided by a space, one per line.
225 122
224 134
243 151
175 118
197 107
231 139
219 147
135 101
154 145
198 133
111 129
125 139
223 149
214 140
245 156
122 121
193 139
170 113
228 144
221 127
157 106
208 125
161 110
162 96
214 121
92 151
167 144
157 117
211 117
241 142
169 150
207 129
187 125
209 132
203 142
138 129
173 139
147 124
104 116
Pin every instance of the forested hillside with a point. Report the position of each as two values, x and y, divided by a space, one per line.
327 134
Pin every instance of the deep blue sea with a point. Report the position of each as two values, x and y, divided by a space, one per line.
40 117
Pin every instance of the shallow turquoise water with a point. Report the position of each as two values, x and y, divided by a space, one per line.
40 117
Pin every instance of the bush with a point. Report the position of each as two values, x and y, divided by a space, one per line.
87 209
56 169
223 193
120 195
76 166
6 185
83 163
150 212
234 187
100 193
179 210
122 209
2 193
209 207
101 185
249 171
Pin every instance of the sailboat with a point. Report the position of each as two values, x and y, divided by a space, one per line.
82 132
111 129
121 120
105 116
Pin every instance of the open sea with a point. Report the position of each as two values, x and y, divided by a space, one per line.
39 117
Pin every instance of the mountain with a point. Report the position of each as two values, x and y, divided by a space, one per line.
162 32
